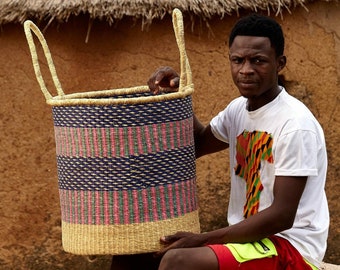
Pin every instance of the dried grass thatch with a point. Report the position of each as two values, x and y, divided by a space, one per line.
17 11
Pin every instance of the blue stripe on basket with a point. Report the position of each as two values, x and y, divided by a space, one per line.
134 172
123 115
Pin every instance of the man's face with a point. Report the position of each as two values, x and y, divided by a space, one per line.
254 66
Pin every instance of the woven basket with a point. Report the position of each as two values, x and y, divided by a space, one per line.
126 161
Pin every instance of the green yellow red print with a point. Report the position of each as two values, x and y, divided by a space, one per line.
251 149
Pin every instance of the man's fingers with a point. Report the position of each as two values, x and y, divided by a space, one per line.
174 83
165 249
165 79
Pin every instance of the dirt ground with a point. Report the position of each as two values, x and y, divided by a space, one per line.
125 56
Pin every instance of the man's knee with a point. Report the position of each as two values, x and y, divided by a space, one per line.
172 259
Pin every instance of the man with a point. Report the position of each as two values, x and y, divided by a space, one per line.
278 214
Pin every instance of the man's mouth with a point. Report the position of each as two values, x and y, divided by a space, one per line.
246 82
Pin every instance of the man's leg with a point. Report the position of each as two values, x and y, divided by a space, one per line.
288 259
200 258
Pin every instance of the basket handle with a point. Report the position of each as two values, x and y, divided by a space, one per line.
185 76
30 27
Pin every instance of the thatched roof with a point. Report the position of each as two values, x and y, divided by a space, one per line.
17 11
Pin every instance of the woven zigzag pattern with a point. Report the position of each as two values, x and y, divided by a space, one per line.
123 115
135 172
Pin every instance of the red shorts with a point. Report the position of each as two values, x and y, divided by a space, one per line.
288 258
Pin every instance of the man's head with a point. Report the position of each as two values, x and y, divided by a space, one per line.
259 26
256 57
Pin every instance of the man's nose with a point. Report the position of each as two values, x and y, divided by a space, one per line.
246 68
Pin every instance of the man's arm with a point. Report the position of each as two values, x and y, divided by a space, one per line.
205 141
274 219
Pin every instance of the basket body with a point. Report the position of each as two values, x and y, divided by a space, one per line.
126 175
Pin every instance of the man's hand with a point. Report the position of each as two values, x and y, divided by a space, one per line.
182 240
164 79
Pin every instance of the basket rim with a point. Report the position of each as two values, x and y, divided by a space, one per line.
94 97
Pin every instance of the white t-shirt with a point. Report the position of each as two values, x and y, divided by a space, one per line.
281 138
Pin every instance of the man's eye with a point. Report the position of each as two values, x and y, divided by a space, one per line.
258 60
237 60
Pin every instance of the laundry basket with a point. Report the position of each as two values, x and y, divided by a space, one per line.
125 159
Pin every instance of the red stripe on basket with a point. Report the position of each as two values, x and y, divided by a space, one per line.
187 194
125 141
192 196
89 207
65 141
139 140
95 142
80 147
170 201
75 203
61 141
184 132
116 208
178 133
135 206
163 203
190 199
87 142
154 204
73 144
145 205
104 142
148 139
82 207
172 135
126 207
97 207
68 205
184 197
131 141
191 133
156 136
178 200
164 138
113 147
121 142
106 208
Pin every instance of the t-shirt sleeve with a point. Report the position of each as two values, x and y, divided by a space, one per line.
219 126
296 154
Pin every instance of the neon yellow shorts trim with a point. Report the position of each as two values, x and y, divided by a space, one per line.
256 250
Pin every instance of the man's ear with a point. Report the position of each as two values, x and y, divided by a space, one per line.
281 62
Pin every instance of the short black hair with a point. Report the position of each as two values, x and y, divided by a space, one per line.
259 26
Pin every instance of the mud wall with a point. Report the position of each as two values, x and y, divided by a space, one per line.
123 56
